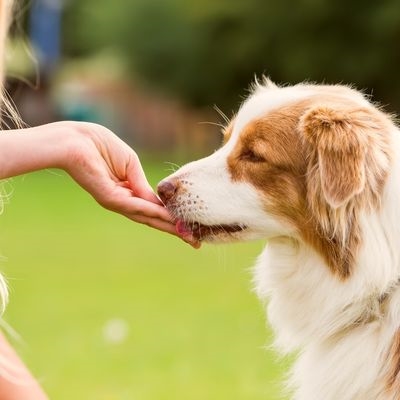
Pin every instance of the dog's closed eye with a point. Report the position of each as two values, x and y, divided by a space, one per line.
252 156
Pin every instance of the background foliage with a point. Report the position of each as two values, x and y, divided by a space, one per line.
207 51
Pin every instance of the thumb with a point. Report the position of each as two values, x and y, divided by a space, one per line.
138 181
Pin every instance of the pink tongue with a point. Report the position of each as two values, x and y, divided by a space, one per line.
182 228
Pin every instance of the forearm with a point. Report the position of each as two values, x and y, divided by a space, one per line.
31 149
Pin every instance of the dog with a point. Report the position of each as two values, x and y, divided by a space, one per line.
315 170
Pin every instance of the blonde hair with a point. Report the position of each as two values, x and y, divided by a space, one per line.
5 13
6 104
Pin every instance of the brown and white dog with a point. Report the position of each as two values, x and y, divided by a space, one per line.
315 169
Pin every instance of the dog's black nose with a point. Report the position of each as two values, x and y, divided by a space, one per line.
166 190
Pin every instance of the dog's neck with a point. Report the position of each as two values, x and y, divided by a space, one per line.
309 303
338 327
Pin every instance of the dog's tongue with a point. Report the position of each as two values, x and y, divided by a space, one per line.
182 228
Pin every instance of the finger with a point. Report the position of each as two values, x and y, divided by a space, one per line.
165 227
156 223
194 243
138 181
122 201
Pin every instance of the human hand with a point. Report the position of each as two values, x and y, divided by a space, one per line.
111 172
98 160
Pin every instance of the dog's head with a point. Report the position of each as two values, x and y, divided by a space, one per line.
300 161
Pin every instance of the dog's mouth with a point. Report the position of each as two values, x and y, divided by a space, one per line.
201 232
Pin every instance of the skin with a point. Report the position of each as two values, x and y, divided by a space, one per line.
96 159
104 166
22 385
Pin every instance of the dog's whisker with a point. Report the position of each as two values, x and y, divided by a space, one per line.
222 126
172 166
222 114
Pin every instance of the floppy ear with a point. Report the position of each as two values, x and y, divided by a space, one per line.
339 141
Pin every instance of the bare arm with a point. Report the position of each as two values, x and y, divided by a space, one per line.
96 159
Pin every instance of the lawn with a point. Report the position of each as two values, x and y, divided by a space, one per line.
109 309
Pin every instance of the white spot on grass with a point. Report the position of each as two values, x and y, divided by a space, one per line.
115 331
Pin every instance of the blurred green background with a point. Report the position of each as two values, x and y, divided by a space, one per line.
112 310
108 309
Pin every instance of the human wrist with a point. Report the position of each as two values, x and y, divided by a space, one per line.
52 144
77 141
68 140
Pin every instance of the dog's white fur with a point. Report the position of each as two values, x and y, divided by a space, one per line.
343 330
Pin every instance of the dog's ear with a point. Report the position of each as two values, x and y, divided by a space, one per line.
339 138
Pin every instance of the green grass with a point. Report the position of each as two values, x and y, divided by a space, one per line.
195 329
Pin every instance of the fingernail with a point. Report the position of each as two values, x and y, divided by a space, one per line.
192 241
